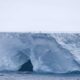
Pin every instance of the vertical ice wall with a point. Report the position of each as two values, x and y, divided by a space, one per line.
48 52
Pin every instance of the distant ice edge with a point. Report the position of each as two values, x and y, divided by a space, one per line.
49 53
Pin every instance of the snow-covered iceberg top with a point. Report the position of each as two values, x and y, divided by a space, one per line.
54 53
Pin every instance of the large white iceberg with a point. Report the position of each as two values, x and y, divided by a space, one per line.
54 53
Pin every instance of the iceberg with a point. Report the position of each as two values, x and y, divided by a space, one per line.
46 52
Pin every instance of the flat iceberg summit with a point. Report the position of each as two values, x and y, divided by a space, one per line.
53 53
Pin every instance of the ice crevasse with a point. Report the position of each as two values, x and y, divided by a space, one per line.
54 53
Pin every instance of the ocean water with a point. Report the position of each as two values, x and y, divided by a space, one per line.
37 76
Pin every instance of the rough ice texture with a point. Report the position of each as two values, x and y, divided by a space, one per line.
54 53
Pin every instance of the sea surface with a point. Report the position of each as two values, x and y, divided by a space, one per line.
37 76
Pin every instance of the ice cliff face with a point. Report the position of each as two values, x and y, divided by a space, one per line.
55 53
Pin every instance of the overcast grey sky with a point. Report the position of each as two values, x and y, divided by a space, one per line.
40 15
